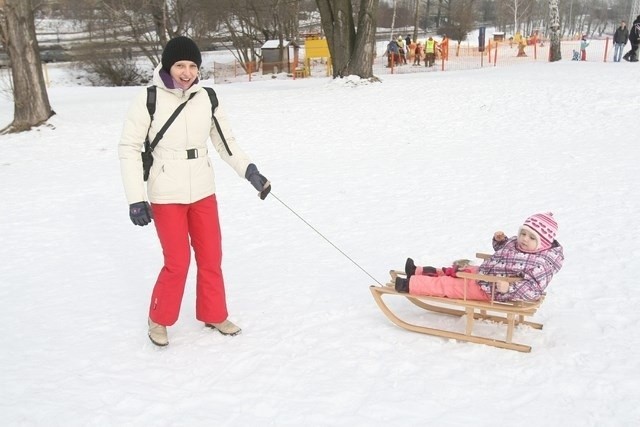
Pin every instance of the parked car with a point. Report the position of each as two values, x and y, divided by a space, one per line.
4 60
49 54
55 53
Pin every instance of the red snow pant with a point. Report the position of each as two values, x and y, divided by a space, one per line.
446 286
180 226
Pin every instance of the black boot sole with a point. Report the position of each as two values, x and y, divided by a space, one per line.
233 334
157 343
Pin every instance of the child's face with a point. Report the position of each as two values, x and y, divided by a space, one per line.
527 241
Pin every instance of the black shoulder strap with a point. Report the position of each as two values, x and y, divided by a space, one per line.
213 98
151 101
214 104
151 108
164 128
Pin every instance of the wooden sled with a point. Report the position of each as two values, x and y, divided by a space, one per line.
509 313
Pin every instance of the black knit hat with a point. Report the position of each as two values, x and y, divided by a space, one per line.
179 49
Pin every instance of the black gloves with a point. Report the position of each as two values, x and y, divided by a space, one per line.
140 213
258 180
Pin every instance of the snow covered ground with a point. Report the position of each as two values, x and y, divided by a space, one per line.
423 165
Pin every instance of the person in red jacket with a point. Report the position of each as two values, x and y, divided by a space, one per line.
534 256
181 187
444 47
418 54
584 43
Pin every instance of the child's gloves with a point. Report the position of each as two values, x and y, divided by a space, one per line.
462 263
140 213
449 271
499 236
502 286
259 181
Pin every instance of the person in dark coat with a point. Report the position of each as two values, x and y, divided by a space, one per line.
620 38
634 39
407 46
393 54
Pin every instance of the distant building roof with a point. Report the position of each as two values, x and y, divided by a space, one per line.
275 44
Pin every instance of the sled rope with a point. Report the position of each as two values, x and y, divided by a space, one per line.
321 235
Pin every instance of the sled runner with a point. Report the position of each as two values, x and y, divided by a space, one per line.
509 313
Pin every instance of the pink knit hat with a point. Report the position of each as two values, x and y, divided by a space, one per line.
545 227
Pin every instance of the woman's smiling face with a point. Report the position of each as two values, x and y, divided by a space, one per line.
184 73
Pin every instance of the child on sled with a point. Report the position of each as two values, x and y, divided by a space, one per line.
533 255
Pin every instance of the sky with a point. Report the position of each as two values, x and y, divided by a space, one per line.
421 165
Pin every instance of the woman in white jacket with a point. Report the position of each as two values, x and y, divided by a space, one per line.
181 188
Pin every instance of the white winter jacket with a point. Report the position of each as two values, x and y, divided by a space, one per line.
173 177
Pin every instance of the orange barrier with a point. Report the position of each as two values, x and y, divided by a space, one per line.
463 57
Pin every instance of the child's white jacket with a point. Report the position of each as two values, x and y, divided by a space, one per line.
174 178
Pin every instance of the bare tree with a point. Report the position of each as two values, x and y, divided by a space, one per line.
147 25
393 19
249 23
142 23
242 21
518 10
554 34
352 52
444 8
30 99
461 20
416 20
394 13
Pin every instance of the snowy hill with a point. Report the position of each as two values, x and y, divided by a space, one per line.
422 165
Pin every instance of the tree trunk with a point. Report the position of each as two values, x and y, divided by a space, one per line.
31 103
554 35
365 47
416 21
159 15
393 20
351 53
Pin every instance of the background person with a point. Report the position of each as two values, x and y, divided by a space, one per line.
620 38
634 39
583 48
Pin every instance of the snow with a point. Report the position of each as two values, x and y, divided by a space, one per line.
424 165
